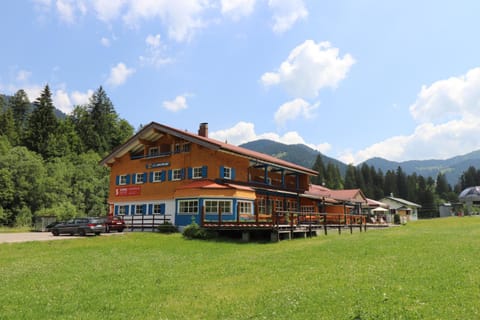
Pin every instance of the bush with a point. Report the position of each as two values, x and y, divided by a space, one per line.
167 227
396 219
194 231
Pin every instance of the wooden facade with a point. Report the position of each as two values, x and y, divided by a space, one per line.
191 177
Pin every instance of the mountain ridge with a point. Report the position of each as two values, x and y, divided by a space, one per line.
305 156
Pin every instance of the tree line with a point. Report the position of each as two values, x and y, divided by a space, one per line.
49 164
426 191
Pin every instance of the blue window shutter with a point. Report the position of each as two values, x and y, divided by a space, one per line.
144 209
169 175
127 180
162 208
126 210
222 172
133 209
204 171
162 176
144 177
117 180
150 208
190 173
116 210
134 178
182 173
151 176
232 173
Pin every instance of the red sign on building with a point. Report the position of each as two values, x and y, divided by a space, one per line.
128 191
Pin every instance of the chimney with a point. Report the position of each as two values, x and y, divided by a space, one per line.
203 130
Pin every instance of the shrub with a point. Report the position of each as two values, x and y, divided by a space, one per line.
167 227
194 231
396 219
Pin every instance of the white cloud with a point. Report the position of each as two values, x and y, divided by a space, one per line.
294 109
177 104
119 74
105 42
454 98
81 98
155 52
67 10
108 10
237 9
244 132
448 112
182 18
23 75
61 101
286 13
309 68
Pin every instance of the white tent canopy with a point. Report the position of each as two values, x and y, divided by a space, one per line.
380 209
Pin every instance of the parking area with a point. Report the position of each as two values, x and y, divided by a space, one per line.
35 236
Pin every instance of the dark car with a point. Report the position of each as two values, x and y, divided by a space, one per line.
113 223
49 226
80 226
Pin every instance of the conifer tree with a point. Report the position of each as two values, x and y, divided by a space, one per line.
21 108
7 124
42 124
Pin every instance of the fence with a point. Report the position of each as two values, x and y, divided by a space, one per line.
142 222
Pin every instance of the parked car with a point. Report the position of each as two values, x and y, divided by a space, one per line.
114 223
80 226
49 226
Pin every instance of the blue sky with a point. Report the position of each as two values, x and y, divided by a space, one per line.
353 79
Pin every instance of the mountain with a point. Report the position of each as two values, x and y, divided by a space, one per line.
296 153
58 113
453 168
305 156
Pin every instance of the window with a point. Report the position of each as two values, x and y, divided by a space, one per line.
245 207
122 210
177 147
157 176
278 205
140 178
307 209
186 147
153 151
139 209
197 173
122 179
177 174
292 205
157 208
216 206
188 206
227 173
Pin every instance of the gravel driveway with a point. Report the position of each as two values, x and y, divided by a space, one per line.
34 236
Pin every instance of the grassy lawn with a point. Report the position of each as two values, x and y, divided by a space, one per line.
424 270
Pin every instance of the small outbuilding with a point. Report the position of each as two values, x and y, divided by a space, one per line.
407 210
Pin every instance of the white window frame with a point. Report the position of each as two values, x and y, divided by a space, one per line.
122 179
227 173
245 207
212 206
157 208
139 209
139 178
188 206
197 173
176 174
157 176
122 210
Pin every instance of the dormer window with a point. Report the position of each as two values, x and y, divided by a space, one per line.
153 151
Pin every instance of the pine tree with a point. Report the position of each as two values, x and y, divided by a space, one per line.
7 124
320 168
42 125
351 177
21 106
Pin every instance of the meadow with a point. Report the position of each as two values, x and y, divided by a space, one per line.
424 270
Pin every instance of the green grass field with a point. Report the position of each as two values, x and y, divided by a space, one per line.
424 270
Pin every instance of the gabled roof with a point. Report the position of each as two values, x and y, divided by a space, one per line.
155 131
401 201
351 195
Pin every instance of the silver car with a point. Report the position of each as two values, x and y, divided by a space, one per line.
80 226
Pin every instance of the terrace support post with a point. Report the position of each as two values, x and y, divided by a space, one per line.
153 223
340 222
202 216
238 213
325 223
143 218
219 216
351 224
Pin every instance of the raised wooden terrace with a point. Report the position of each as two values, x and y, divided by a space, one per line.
286 224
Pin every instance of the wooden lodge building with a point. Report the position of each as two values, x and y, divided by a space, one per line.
177 176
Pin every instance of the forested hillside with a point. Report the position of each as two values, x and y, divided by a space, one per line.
49 164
